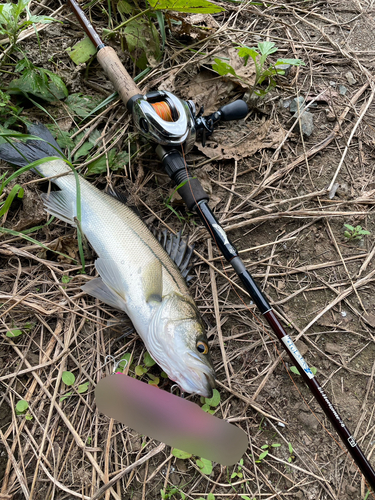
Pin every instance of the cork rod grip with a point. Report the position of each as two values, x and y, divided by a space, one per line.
118 75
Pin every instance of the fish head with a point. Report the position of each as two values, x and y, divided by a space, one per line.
178 343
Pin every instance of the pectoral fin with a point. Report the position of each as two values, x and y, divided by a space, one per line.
101 291
152 281
112 277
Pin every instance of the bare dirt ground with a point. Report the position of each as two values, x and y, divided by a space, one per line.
269 187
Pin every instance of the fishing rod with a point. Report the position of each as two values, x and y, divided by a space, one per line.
174 125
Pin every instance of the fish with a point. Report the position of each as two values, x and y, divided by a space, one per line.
136 274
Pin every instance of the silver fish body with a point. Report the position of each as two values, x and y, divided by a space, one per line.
137 276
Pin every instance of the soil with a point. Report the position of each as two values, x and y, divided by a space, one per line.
269 186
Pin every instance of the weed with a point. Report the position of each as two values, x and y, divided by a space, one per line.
69 379
266 449
9 113
291 456
355 233
21 409
12 22
294 370
238 473
39 82
210 403
263 69
141 36
204 465
170 491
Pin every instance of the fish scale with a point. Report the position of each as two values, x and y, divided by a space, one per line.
104 219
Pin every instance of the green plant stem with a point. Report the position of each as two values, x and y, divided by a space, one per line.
132 19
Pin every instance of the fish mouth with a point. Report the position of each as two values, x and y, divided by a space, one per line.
210 386
200 377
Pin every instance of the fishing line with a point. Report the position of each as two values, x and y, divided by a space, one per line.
163 110
273 340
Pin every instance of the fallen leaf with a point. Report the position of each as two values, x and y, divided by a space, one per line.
64 244
236 141
209 89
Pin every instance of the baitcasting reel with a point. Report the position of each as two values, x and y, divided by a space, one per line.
163 118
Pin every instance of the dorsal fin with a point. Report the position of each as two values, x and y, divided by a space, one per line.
121 196
177 248
116 193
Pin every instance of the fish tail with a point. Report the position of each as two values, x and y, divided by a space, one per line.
31 150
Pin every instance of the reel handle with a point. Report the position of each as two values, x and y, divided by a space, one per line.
234 111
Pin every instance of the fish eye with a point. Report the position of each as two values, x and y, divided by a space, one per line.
202 347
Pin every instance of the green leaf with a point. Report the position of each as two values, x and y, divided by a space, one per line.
65 279
263 455
193 6
148 361
28 417
290 447
348 226
292 62
247 52
43 19
275 445
81 51
264 447
223 68
143 43
19 7
155 381
267 48
347 234
5 14
206 408
68 378
83 388
293 369
41 83
125 361
124 9
234 474
160 18
83 150
215 400
18 191
163 375
65 396
313 369
14 333
140 370
245 497
205 466
100 165
210 496
22 406
180 454
81 105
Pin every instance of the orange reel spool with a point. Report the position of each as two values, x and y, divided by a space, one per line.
163 110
